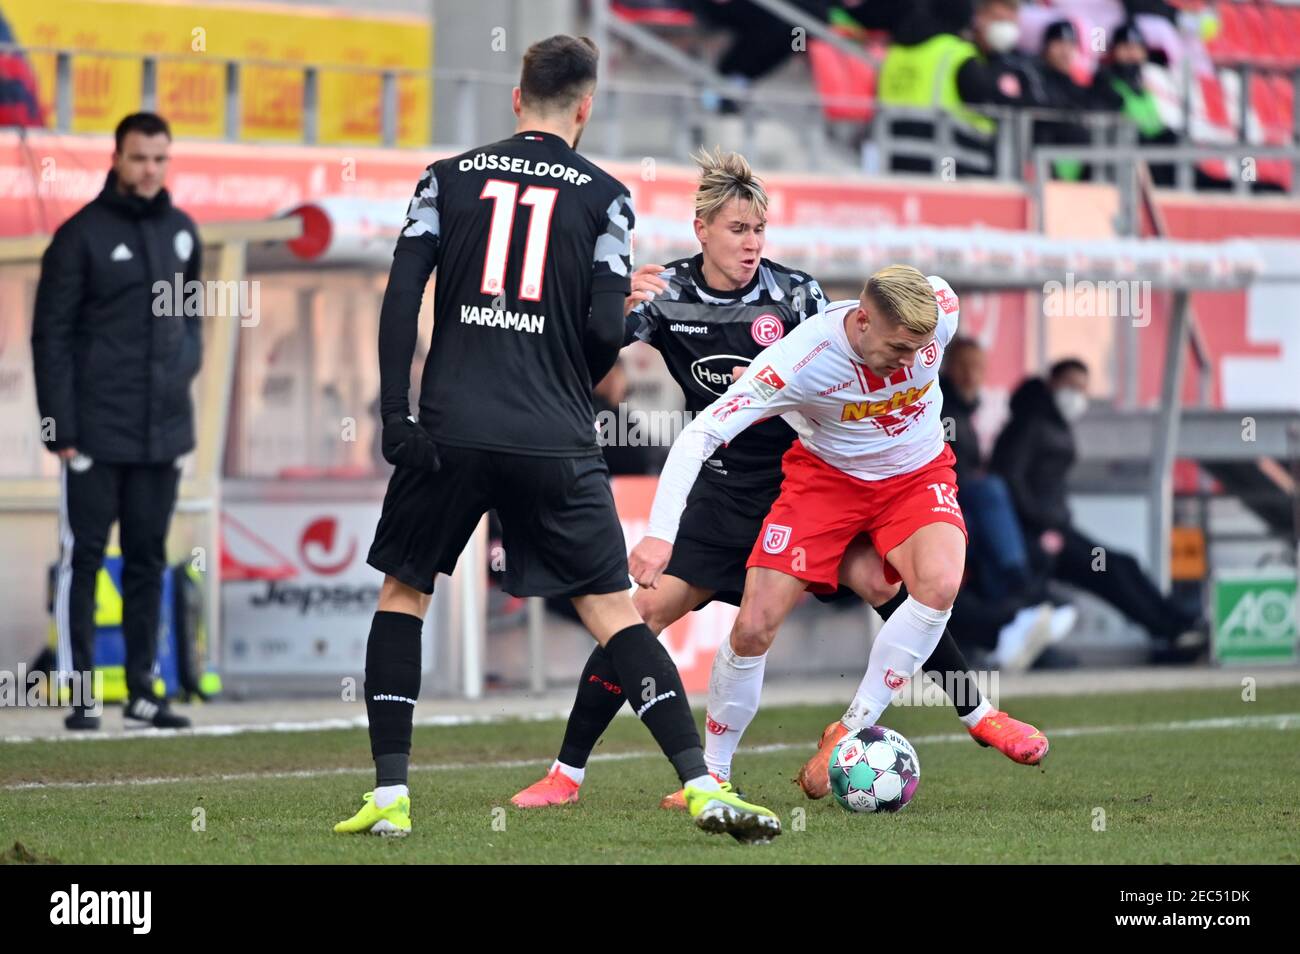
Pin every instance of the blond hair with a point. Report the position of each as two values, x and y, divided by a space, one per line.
905 296
725 176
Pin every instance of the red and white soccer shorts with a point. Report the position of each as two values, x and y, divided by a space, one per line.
822 509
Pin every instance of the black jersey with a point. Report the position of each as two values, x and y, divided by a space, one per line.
703 333
523 232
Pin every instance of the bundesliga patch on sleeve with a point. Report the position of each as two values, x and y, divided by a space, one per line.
766 383
947 300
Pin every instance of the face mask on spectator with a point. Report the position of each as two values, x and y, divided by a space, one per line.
1001 35
1072 403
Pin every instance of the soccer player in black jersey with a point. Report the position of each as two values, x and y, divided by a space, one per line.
707 315
533 248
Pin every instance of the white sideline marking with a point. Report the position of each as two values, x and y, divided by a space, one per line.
316 725
1283 721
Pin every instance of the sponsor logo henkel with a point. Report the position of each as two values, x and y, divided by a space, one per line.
775 538
930 355
713 725
894 681
767 329
861 410
318 539
947 300
714 372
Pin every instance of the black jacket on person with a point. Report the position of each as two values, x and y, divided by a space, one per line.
112 376
1034 453
965 441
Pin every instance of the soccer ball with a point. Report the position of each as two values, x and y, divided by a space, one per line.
874 770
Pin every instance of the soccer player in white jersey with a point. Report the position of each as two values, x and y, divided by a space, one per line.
859 384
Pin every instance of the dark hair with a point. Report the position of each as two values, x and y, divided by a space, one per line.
959 344
150 124
1065 366
557 72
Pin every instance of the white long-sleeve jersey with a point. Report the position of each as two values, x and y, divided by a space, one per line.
868 427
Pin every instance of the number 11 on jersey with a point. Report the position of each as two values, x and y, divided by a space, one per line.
503 195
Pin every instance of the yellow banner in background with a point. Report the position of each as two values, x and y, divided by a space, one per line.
191 90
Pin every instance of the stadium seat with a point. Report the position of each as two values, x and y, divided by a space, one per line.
1284 30
1230 46
1271 102
837 74
654 13
1215 114
1261 50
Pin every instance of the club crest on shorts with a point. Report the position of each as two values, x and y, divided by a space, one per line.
767 329
930 354
776 538
894 681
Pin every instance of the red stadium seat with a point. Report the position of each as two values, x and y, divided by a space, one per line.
1230 46
654 13
837 74
1260 47
1284 30
1271 100
1216 114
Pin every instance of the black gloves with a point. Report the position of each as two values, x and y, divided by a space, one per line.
406 444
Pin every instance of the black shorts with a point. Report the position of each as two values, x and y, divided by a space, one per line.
717 534
560 530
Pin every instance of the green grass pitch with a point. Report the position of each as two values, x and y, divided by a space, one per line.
1183 776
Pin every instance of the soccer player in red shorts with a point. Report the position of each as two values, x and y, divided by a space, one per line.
859 384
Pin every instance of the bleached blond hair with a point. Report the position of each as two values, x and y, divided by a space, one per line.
725 176
905 296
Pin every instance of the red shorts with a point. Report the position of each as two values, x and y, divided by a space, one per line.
822 509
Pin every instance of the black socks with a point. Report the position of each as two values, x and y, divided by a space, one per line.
392 686
599 698
651 684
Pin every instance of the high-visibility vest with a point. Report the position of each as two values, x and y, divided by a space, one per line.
925 75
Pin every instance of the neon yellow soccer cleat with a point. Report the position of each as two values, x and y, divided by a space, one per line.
724 811
391 822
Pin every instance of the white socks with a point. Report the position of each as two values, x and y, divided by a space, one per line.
705 783
387 794
576 775
972 718
902 646
734 688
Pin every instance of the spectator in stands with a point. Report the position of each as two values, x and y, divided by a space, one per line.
1034 454
923 70
1002 608
991 520
1052 86
760 41
1118 85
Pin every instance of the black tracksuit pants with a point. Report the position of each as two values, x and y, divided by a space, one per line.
140 497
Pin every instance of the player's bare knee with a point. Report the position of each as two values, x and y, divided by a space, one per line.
650 609
753 632
937 588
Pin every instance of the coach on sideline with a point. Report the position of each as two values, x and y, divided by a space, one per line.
113 387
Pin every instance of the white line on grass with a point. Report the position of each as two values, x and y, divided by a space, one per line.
1284 722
